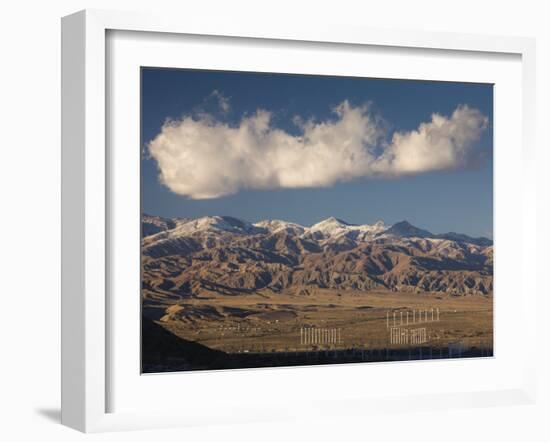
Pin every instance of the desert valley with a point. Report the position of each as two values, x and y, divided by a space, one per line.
220 292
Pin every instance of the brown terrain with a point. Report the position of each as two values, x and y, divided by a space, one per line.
241 288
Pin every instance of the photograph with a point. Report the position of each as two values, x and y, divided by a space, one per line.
302 220
229 222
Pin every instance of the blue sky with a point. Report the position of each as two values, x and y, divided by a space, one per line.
438 199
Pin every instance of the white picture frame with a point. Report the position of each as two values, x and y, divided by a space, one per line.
86 356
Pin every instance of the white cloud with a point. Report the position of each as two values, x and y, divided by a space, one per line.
201 157
223 101
443 143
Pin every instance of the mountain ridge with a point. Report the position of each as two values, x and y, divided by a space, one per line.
191 257
329 225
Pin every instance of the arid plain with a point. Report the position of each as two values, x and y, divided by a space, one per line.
274 322
279 288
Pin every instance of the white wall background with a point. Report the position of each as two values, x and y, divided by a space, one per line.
30 214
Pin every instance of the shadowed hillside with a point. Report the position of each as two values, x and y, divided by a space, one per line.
160 347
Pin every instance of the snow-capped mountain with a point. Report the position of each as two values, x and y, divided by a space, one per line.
333 228
185 254
330 226
186 226
276 225
155 224
329 229
217 223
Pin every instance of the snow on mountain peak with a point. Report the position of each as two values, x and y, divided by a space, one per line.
216 223
277 225
329 231
335 228
329 225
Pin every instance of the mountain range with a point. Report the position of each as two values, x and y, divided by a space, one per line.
186 258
